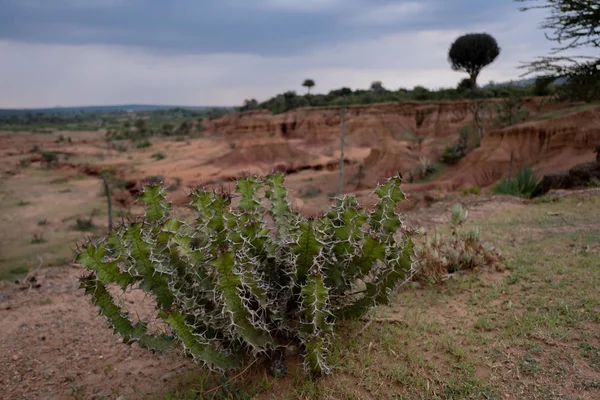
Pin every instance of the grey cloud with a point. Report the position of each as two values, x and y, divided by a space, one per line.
263 27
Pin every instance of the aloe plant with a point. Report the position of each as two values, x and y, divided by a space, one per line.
250 278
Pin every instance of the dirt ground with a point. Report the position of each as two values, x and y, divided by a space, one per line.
472 338
54 346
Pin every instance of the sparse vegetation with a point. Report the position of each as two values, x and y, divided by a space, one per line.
143 144
440 255
525 184
159 156
84 225
42 222
471 190
49 158
38 238
310 192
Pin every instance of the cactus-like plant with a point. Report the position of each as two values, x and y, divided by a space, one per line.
250 278
440 255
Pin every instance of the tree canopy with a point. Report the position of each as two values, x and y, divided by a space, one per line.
573 24
308 83
471 53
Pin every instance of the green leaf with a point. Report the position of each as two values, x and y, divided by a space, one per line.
198 346
316 355
92 257
306 249
152 280
229 284
156 205
248 187
119 320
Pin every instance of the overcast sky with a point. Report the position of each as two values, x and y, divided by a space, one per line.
220 52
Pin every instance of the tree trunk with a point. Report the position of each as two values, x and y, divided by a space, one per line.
341 183
473 77
108 198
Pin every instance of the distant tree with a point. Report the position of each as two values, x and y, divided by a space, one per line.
308 83
377 87
464 84
140 125
471 53
574 24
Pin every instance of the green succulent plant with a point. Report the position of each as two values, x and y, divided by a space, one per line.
247 279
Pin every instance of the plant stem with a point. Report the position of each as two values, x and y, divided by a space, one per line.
341 183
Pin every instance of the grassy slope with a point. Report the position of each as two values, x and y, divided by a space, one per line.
532 332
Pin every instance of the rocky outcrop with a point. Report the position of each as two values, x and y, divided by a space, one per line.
579 176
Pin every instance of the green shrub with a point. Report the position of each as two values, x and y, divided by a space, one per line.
84 225
310 193
158 156
38 238
121 148
49 158
143 144
594 183
42 222
441 255
234 283
471 190
24 162
525 184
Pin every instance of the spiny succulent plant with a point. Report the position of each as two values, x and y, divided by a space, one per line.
250 278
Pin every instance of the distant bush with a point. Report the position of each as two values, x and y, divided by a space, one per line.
441 255
471 190
310 192
159 156
38 238
84 225
143 144
121 148
49 158
525 184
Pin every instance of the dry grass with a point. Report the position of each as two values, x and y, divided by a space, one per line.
531 332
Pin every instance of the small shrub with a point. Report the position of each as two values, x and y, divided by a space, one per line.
471 190
251 279
143 144
441 255
84 225
38 238
525 184
179 139
175 185
60 139
232 145
35 148
158 156
426 168
42 222
23 203
310 192
24 162
121 148
69 140
594 183
49 158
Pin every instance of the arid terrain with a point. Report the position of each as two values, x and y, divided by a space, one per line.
530 331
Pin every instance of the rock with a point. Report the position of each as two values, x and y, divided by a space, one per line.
121 398
578 176
278 368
